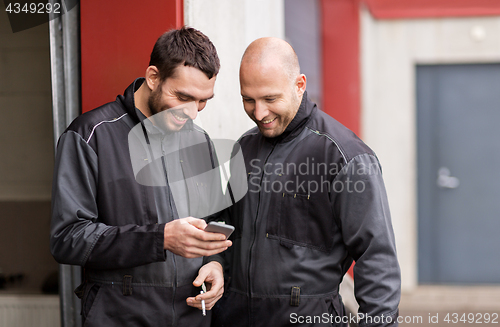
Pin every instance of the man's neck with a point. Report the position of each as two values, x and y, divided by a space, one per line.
141 97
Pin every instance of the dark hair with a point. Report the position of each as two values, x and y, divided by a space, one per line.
185 45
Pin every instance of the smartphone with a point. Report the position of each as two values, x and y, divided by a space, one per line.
222 228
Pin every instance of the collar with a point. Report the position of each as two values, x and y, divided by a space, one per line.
128 101
306 109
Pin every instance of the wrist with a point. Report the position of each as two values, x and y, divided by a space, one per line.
166 237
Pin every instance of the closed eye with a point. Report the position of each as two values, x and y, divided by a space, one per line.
183 99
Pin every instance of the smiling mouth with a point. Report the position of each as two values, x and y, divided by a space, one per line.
265 122
180 119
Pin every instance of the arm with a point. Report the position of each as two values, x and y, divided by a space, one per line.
215 268
77 236
236 188
362 211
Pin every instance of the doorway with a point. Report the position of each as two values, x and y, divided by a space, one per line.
27 156
458 118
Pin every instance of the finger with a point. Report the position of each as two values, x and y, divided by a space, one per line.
211 236
213 288
192 302
202 275
210 295
208 300
197 246
196 222
208 304
213 245
216 288
195 253
201 235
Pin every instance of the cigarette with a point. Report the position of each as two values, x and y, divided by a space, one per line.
203 306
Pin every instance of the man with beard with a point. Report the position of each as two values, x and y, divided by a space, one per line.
316 201
141 249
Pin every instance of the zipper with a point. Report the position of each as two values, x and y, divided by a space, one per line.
174 288
174 283
253 242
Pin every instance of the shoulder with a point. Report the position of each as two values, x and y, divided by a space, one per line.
348 143
249 135
86 124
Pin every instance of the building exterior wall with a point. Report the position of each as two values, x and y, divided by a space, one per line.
116 42
390 50
232 25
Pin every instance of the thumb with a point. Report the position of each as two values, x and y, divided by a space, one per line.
202 275
196 222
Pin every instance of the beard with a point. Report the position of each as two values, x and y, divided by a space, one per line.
284 119
155 107
162 116
154 101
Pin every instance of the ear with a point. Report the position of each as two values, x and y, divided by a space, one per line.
152 77
300 84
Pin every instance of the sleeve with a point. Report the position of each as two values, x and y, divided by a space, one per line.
221 216
362 210
76 235
236 188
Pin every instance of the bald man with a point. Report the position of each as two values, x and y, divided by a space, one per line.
316 201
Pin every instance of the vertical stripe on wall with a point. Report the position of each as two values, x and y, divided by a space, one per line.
394 9
116 40
341 72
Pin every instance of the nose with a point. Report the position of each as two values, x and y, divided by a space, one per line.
201 104
191 109
260 111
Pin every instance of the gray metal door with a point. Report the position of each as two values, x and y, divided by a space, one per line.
458 117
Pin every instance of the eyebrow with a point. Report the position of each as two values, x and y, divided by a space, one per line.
190 97
264 96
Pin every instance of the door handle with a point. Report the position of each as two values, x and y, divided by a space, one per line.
445 180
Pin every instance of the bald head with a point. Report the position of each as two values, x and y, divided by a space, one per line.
271 84
271 52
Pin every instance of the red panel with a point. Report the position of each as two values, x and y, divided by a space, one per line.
116 40
341 72
432 8
351 270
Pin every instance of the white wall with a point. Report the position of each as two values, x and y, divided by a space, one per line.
232 25
390 50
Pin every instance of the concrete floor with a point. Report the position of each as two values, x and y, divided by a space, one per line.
429 306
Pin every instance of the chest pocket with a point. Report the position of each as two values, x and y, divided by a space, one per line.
303 220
